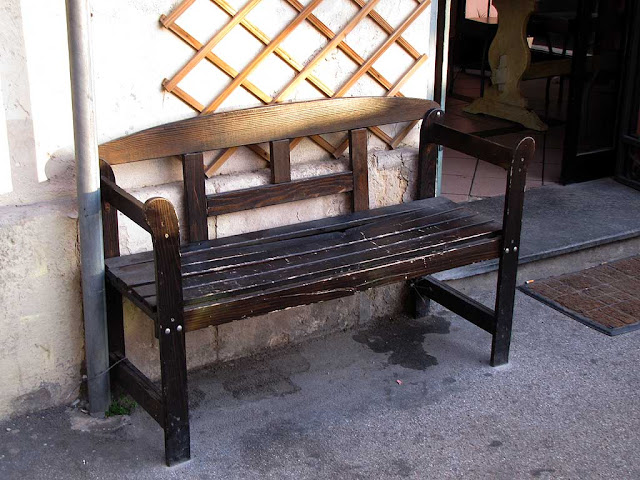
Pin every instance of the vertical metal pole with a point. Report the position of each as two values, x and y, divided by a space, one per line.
439 50
89 211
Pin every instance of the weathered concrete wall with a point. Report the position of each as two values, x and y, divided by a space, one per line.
41 346
41 351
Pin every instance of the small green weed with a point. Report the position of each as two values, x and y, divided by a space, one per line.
123 405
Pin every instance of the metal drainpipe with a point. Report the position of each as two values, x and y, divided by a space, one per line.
89 209
437 88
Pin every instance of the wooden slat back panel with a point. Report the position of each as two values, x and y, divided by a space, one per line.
262 124
360 168
264 195
280 161
195 200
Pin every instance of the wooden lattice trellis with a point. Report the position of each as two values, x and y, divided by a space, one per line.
303 72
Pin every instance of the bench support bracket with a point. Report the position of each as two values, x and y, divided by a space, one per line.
499 321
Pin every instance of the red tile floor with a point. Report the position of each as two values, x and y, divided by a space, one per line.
465 178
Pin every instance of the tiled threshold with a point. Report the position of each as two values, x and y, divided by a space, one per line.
465 178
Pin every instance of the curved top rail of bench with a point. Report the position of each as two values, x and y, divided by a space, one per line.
262 124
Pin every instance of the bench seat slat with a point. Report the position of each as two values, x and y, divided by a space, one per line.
286 232
352 261
225 259
343 254
257 303
339 248
247 256
140 270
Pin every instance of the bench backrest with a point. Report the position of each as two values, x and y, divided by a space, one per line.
278 125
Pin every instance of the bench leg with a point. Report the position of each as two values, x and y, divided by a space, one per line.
505 297
508 269
115 320
173 366
504 310
421 303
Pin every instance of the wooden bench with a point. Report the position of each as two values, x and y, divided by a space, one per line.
210 282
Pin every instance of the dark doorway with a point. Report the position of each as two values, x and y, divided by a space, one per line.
580 65
628 167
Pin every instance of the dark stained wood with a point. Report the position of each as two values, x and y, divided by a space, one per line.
195 200
323 225
386 229
457 302
143 391
113 298
138 269
477 147
265 195
306 269
280 161
222 246
109 217
510 250
316 235
359 165
322 257
441 31
428 154
162 219
262 124
200 316
211 282
123 201
131 259
126 290
115 319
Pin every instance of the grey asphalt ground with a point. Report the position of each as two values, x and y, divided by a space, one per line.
401 399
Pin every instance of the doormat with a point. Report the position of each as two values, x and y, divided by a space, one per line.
605 298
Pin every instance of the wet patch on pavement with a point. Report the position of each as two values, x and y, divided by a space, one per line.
404 340
262 377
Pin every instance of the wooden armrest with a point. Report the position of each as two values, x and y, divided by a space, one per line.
124 202
471 145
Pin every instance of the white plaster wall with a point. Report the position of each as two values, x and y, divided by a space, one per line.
41 347
41 359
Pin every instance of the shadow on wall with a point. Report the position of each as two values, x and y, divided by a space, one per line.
35 116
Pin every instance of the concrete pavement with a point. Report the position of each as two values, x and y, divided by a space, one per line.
400 399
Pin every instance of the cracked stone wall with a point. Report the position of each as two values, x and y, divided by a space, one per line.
41 349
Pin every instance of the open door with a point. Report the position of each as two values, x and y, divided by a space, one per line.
592 128
628 166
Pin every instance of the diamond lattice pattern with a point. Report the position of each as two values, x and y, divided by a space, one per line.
300 73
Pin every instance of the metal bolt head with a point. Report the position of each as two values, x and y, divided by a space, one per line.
515 249
166 235
179 328
173 319
167 331
506 250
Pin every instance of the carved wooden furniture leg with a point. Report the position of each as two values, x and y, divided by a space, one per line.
509 58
